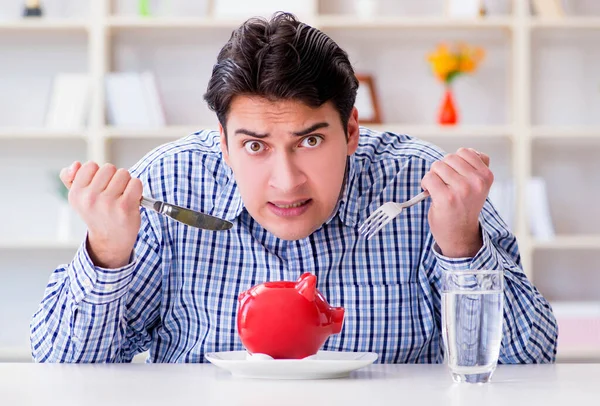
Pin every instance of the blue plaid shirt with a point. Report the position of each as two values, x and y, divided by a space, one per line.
178 296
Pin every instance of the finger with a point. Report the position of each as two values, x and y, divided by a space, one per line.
103 177
85 174
476 159
485 158
436 187
68 174
481 163
446 173
460 165
118 183
133 193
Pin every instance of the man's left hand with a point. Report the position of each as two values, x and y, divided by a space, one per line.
458 185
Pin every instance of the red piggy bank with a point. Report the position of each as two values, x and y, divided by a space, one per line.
286 320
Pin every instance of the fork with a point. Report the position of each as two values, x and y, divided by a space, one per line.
386 213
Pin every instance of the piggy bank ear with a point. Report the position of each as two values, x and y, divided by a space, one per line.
306 285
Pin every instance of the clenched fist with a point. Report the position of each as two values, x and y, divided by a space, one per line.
108 201
458 185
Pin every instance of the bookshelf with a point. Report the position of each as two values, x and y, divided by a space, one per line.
504 109
42 25
569 242
39 133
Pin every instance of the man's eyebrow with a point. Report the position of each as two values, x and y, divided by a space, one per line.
311 129
300 133
250 133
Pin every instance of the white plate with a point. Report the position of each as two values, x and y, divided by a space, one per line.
324 365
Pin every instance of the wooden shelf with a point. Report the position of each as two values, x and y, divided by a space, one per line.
170 22
44 24
569 242
415 130
39 245
323 21
39 133
566 22
571 132
379 22
174 132
181 131
462 131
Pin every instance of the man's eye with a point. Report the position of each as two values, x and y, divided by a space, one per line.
312 141
254 147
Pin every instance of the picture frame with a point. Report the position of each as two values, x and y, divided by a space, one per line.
367 101
33 8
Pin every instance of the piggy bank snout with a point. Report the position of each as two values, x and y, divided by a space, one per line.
337 319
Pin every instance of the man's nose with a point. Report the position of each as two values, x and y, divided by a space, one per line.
286 174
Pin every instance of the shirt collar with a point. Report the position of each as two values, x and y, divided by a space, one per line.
229 204
347 208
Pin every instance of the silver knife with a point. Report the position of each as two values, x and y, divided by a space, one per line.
186 216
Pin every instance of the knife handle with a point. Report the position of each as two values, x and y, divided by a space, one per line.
151 204
160 207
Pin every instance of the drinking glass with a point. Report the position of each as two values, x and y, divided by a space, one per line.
472 315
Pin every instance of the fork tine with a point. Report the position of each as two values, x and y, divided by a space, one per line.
372 221
366 224
386 213
375 224
379 227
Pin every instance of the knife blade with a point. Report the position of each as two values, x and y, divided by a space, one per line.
186 216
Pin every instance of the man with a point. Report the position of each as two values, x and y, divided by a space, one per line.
293 171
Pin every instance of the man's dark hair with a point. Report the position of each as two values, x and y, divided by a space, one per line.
281 59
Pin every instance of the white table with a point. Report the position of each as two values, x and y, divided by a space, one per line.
187 384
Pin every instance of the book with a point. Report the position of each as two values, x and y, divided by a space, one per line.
502 195
133 101
464 8
153 100
538 209
68 106
548 8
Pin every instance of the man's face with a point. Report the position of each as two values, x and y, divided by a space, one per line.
289 161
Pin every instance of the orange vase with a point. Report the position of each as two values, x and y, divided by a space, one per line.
448 114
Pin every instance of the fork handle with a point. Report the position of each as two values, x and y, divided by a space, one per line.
418 198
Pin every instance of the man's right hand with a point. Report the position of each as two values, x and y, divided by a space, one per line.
108 201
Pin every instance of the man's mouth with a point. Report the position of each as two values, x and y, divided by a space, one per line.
291 205
290 209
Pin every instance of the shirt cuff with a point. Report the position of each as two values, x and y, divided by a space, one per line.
486 257
97 285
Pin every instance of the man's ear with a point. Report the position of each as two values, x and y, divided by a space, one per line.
353 132
224 147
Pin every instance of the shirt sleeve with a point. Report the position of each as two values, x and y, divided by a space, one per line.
93 314
529 328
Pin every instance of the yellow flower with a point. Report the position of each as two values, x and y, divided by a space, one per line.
447 63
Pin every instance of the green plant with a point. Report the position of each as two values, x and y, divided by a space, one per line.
144 7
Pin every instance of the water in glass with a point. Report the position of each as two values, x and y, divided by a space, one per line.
472 314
